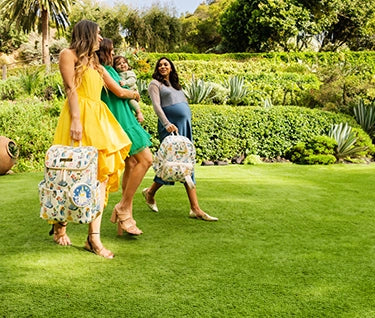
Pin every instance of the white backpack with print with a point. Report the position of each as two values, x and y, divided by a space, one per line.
175 159
70 189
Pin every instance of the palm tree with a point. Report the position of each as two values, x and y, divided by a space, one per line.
29 14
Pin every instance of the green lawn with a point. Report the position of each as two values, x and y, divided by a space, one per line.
292 241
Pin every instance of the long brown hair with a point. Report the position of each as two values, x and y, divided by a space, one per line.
105 52
173 76
84 39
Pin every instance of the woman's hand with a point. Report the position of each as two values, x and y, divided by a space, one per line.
76 130
171 128
136 96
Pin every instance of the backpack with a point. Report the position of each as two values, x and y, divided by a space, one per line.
70 189
175 159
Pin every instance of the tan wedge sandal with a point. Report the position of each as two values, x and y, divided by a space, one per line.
124 223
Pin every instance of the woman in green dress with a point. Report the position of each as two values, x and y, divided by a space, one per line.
140 157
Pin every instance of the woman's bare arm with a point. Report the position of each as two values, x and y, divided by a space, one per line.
116 89
67 60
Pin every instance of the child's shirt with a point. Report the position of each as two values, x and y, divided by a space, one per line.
129 78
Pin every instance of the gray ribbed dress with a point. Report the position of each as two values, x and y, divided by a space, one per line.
171 107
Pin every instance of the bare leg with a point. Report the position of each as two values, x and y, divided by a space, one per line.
59 234
130 163
93 242
193 199
131 181
195 210
149 194
134 178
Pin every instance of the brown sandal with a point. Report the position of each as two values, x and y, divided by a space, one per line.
59 234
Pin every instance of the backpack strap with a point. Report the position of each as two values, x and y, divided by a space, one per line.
189 182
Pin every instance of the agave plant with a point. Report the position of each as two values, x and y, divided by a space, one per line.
13 149
30 80
197 91
365 116
141 85
346 139
267 102
237 89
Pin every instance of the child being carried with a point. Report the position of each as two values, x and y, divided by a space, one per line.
129 79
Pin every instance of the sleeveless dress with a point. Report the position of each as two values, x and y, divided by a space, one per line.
121 109
100 129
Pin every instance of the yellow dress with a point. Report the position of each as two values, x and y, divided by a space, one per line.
100 129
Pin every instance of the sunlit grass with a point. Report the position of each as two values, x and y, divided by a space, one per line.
291 241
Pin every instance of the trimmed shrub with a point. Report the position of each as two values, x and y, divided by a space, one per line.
225 132
31 124
220 133
10 89
319 150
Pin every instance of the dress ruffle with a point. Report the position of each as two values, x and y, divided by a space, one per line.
100 129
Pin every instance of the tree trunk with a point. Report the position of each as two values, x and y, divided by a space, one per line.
45 40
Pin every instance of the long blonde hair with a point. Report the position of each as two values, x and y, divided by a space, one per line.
84 39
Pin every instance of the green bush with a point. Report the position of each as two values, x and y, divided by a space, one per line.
343 84
220 133
227 131
10 89
318 150
327 150
364 142
252 160
320 159
31 124
330 81
32 81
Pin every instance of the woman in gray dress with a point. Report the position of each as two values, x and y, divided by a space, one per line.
174 115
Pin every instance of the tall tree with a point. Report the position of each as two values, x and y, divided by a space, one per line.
11 37
165 28
352 25
37 14
108 18
201 29
155 30
264 25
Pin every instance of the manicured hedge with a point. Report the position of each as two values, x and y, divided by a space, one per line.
223 132
220 132
31 124
361 57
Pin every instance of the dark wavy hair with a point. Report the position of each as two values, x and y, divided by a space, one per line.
173 76
105 52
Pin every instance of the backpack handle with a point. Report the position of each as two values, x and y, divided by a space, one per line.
72 143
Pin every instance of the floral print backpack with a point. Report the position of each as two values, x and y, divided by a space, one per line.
175 159
70 189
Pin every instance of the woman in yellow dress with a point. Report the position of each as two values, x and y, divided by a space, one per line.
86 119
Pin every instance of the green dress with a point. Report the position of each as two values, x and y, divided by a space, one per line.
121 109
